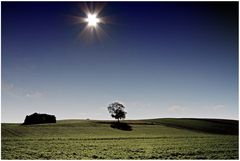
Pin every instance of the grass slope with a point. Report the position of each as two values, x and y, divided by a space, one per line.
217 126
148 139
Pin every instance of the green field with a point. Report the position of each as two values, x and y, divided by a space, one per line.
148 139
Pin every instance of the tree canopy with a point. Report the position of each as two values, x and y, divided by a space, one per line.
117 111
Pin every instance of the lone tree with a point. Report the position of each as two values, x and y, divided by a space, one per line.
117 111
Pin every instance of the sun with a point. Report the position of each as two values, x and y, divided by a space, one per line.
92 20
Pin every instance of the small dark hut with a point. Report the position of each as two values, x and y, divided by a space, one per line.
38 118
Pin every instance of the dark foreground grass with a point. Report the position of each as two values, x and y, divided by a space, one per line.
148 139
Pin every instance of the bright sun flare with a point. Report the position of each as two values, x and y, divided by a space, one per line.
92 20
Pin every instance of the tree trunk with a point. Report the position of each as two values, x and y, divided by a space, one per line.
118 120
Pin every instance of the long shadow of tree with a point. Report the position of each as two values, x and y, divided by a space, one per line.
121 126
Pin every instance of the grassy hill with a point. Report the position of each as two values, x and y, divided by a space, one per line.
166 138
216 126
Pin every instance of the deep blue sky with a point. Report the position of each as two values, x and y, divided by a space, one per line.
160 59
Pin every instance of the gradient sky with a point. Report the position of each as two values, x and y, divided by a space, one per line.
160 59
